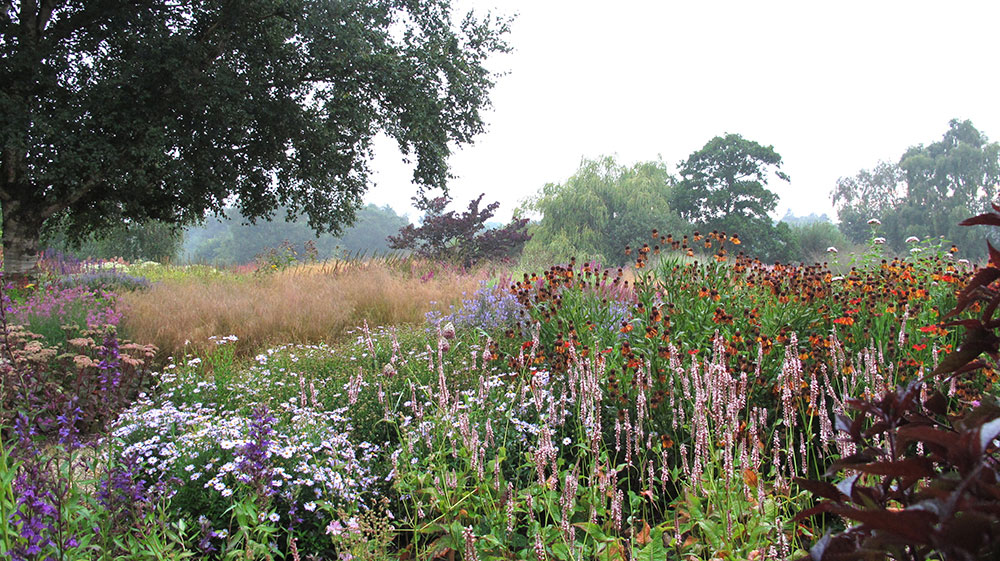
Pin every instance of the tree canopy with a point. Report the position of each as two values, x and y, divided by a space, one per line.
723 187
927 192
602 208
115 110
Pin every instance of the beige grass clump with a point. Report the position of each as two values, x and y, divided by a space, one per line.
300 305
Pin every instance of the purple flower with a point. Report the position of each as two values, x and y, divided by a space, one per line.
254 464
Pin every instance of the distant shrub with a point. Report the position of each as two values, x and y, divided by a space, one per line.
815 237
106 279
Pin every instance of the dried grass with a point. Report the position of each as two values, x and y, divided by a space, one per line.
307 304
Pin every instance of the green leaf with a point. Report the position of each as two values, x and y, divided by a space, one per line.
594 531
654 550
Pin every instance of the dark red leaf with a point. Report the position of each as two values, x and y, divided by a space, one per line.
937 403
853 460
983 277
986 219
913 525
817 550
966 323
987 433
842 423
847 485
820 508
977 342
924 433
821 489
994 254
909 467
974 365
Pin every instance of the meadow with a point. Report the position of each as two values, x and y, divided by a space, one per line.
403 409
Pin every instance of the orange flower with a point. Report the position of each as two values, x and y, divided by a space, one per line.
919 347
844 321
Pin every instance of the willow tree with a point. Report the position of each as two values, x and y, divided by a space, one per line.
602 208
122 110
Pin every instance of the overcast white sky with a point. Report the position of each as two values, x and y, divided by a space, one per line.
833 86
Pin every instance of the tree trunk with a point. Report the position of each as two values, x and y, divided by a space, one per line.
21 233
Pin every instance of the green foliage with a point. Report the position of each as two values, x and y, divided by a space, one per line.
870 194
231 240
813 239
927 193
162 110
724 188
602 208
149 240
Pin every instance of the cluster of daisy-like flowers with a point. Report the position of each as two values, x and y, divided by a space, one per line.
294 446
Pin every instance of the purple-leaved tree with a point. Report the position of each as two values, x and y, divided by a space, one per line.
461 238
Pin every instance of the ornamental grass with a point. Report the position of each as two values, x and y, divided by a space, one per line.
305 304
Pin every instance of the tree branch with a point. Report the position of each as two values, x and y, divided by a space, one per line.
28 18
5 9
50 210
44 15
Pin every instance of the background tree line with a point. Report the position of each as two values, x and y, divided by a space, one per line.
926 193
605 206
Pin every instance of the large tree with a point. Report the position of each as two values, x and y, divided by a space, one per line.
602 208
723 187
115 110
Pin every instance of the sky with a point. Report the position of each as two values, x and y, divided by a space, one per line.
834 87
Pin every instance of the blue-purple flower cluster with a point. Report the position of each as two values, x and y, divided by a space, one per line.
491 308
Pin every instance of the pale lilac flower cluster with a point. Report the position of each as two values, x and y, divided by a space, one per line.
307 449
